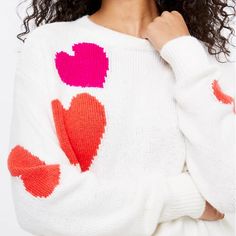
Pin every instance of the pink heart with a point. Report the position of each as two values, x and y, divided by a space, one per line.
86 68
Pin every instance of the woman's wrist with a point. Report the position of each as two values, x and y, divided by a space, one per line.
184 199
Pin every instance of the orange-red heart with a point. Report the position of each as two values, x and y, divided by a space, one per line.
80 128
39 179
221 96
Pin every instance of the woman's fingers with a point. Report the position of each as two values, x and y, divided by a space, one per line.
167 26
211 213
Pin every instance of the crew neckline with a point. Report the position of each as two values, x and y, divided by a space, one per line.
116 38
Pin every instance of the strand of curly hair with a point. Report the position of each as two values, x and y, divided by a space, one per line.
206 19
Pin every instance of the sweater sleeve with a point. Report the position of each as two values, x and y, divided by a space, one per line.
204 90
54 197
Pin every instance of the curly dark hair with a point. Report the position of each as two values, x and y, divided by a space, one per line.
206 19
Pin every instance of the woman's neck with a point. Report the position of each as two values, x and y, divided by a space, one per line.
127 16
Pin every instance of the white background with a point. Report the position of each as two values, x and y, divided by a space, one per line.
9 45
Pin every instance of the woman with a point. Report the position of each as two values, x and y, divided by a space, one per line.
123 121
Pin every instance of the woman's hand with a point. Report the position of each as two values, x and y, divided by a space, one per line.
211 214
167 26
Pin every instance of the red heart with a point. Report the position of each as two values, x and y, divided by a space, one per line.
80 128
86 68
221 96
39 179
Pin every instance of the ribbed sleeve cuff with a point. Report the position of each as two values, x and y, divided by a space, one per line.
186 55
184 199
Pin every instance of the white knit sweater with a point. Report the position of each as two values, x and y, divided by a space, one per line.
102 126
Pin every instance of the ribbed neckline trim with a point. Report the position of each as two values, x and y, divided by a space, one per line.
115 38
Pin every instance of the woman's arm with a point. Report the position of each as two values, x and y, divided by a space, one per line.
53 197
205 105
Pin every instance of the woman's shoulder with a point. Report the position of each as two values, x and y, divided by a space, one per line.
51 33
226 68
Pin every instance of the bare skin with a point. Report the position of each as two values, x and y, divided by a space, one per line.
211 214
144 21
116 15
169 25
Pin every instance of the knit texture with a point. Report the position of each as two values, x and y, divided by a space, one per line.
104 126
